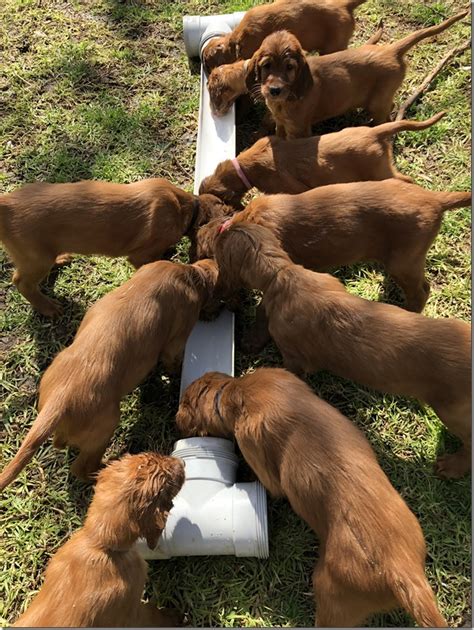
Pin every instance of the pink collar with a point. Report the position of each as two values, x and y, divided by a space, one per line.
241 174
224 226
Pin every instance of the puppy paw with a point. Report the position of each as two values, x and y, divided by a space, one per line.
452 466
84 472
63 259
49 308
209 314
171 617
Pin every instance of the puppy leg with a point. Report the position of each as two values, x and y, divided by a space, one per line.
380 107
152 617
409 274
257 337
172 356
458 420
143 258
27 276
92 443
293 363
337 606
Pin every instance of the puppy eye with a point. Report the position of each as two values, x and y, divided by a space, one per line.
290 67
266 65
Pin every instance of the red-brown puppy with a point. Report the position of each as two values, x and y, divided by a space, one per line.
225 84
300 91
274 165
318 325
119 341
390 222
322 25
372 550
141 220
97 578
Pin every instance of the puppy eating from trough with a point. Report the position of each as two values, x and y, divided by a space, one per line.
391 222
120 340
275 165
41 222
372 550
316 324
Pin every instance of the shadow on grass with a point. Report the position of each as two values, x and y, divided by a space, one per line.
53 335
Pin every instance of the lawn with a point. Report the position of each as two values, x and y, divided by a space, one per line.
102 89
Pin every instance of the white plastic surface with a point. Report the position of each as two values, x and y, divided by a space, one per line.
210 346
213 515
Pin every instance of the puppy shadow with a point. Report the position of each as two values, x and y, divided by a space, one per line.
356 118
53 335
152 426
375 274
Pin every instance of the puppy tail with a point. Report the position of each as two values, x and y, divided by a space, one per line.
377 35
392 128
402 45
415 595
44 425
451 200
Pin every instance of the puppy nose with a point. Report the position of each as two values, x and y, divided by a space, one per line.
274 91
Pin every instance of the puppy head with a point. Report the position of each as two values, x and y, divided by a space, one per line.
248 256
133 497
200 410
225 84
218 52
206 237
225 184
211 207
207 273
280 68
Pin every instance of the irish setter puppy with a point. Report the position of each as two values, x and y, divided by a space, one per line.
390 221
97 578
322 25
318 325
119 341
225 84
300 91
372 550
274 165
40 222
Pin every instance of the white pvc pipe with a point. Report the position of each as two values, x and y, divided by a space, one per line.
210 346
213 515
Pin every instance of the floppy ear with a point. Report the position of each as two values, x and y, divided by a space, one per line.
252 74
304 79
153 523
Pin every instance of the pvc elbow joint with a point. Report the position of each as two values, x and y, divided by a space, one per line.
199 30
213 515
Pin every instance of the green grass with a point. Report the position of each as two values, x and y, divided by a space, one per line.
102 89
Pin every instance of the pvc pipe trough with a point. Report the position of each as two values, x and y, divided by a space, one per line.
212 515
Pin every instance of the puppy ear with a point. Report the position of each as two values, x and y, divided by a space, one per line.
152 526
304 79
252 74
